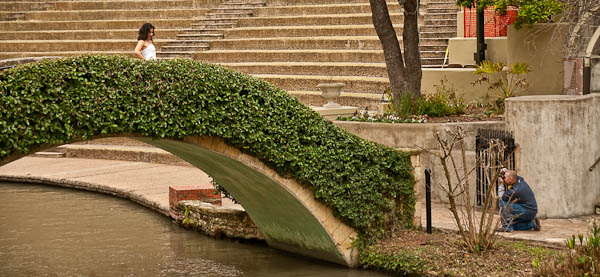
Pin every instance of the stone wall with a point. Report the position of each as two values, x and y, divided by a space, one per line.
415 138
559 140
216 221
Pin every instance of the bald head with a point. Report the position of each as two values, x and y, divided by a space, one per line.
510 177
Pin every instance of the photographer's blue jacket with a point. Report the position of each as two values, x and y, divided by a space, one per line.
522 193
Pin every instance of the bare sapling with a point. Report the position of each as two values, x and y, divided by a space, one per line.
477 227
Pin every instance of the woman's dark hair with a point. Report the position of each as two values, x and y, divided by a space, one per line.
144 31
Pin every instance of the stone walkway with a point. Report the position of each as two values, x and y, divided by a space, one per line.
148 184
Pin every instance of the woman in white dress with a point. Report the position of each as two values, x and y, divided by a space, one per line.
145 48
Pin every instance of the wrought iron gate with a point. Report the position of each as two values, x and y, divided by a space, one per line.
494 159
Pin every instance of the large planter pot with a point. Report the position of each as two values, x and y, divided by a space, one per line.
331 91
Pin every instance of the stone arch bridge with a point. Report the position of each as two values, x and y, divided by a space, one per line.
56 102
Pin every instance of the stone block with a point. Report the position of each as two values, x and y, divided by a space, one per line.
179 193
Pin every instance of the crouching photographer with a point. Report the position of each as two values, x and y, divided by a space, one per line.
518 207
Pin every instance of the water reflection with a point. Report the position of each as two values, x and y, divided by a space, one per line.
55 231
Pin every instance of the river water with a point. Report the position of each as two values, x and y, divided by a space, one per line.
55 231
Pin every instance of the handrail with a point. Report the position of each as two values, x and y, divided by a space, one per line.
595 163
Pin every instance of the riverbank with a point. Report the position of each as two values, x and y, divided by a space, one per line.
148 184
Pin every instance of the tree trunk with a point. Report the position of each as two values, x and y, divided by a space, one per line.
391 48
410 39
404 77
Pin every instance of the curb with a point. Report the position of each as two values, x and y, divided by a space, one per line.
140 199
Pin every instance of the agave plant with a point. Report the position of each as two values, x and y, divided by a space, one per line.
505 81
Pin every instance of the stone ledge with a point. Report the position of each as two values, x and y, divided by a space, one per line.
215 221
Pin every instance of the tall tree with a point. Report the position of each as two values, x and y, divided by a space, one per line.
404 72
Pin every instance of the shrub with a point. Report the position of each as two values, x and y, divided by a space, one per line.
583 259
63 100
444 101
504 81
402 263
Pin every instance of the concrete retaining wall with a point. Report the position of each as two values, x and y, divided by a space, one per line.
462 50
415 137
559 139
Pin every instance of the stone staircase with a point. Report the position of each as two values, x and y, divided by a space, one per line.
74 27
208 28
294 44
440 22
299 44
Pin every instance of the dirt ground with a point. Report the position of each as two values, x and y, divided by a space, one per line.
445 254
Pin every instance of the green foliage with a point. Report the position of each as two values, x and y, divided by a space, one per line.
186 216
582 259
400 263
445 101
63 100
530 11
506 82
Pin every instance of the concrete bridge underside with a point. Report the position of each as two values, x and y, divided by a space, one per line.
286 212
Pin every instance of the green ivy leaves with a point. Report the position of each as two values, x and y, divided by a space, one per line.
55 101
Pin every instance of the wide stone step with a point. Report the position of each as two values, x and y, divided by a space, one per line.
306 55
212 26
441 16
442 5
174 55
188 48
315 98
204 31
438 28
308 2
188 43
11 55
439 22
84 34
13 16
123 5
94 24
432 54
25 6
233 5
198 36
222 10
71 45
358 42
304 31
226 15
312 68
290 55
213 21
357 84
312 20
430 11
346 8
437 47
438 34
342 42
149 15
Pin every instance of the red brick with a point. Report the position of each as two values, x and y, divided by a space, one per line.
178 193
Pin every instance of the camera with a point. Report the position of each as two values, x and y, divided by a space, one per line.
501 175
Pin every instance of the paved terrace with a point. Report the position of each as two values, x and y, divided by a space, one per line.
148 184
